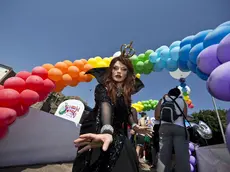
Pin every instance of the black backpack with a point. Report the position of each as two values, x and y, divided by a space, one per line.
168 110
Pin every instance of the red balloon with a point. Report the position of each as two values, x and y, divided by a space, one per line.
35 83
29 97
1 87
21 109
40 71
15 83
7 116
43 96
49 85
191 106
3 131
23 74
9 97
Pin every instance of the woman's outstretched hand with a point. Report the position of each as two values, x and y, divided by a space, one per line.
144 130
89 141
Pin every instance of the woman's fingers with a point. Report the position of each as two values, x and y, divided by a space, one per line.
85 148
106 145
90 146
89 135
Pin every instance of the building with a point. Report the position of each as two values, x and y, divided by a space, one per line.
5 73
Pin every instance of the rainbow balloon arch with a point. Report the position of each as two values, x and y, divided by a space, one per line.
206 54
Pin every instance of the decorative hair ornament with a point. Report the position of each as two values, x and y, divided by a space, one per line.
127 51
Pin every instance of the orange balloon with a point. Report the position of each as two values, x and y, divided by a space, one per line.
55 74
48 66
59 88
62 66
87 67
84 61
74 83
88 78
188 102
80 64
67 79
73 71
82 77
68 62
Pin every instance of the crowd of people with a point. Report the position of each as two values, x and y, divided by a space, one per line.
104 144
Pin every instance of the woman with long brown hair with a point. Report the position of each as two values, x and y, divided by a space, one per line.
117 84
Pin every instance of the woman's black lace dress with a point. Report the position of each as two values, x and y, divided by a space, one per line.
121 155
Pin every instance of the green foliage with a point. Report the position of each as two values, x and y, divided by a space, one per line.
210 118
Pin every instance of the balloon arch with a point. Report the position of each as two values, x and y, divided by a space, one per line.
207 54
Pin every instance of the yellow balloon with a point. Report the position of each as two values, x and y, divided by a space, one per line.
138 75
98 58
92 61
139 103
101 64
186 97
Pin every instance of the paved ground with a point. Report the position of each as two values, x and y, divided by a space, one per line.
67 167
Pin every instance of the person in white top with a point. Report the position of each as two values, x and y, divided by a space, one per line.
171 111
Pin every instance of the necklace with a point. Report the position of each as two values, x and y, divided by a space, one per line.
119 92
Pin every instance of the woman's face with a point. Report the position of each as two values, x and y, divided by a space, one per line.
119 72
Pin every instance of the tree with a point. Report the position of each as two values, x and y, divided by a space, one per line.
210 118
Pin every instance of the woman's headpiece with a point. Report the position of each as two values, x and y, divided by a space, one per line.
127 50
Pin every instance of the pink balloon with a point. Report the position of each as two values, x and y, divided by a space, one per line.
7 116
40 71
3 131
35 83
1 87
29 97
49 85
23 74
9 97
15 83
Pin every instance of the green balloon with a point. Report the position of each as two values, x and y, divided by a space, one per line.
185 93
139 65
134 59
148 64
141 57
148 52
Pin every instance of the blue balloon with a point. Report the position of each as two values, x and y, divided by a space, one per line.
153 57
183 66
160 65
171 65
216 36
165 54
227 23
184 89
174 53
192 67
195 51
201 75
158 50
174 44
186 40
199 37
184 53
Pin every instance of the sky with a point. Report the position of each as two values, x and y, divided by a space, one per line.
33 33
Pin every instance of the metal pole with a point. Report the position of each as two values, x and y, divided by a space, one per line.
218 116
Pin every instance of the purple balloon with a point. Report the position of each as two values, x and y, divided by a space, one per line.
192 160
207 60
218 82
228 117
191 146
228 137
191 167
223 50
190 153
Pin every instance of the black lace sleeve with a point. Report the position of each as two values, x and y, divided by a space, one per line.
132 116
105 106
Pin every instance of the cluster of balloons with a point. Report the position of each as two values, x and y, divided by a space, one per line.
192 158
100 62
68 73
185 91
141 63
20 92
145 105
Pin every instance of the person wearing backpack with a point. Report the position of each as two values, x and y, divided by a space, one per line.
172 112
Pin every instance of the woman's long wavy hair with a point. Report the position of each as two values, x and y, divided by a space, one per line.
128 83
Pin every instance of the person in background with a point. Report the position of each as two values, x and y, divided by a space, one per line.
172 110
141 137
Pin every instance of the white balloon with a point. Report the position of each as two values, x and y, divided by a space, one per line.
117 54
188 89
178 74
